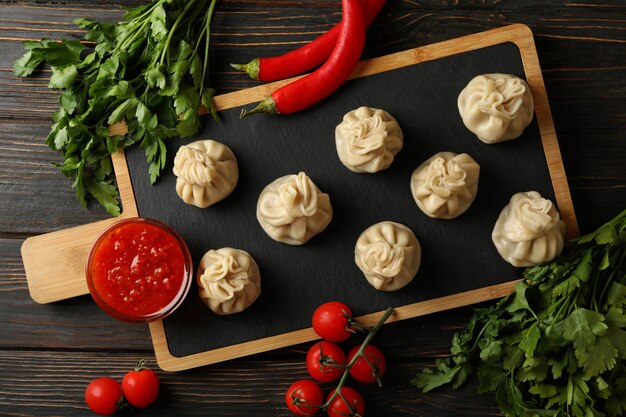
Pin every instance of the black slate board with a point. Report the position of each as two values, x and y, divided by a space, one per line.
457 255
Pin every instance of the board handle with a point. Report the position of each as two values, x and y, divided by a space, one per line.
55 262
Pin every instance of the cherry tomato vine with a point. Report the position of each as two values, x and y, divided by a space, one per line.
365 363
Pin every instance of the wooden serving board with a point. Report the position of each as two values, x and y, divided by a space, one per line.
460 265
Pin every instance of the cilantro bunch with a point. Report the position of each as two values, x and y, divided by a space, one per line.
556 346
149 70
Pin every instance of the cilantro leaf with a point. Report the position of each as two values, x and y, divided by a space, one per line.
491 377
105 193
429 380
60 54
617 337
581 327
28 63
530 338
519 301
63 78
598 357
533 369
513 358
127 107
556 346
491 350
616 296
616 317
141 70
543 390
68 101
155 77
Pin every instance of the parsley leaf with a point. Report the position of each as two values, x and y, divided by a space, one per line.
581 327
556 346
149 71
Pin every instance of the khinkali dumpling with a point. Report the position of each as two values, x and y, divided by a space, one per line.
207 172
389 255
229 280
445 185
529 230
496 107
368 139
292 209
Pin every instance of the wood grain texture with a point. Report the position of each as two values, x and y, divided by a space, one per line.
169 362
577 44
52 384
71 324
55 262
70 247
48 353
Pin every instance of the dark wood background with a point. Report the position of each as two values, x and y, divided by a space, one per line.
48 353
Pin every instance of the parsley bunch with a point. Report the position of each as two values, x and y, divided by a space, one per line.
556 346
149 70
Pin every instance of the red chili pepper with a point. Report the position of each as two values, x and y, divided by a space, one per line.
306 57
308 90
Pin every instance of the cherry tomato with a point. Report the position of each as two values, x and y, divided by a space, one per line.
103 395
325 361
355 403
304 397
141 386
370 370
330 321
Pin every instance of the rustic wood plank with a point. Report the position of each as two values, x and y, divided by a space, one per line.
56 380
72 324
69 247
34 196
52 384
581 48
271 31
55 262
78 324
573 73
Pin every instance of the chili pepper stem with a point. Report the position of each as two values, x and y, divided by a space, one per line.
306 91
251 68
266 106
310 55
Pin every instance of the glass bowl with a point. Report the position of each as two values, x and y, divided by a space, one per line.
139 270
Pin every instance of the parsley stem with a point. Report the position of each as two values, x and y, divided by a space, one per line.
191 22
123 44
620 259
138 32
166 48
206 44
144 13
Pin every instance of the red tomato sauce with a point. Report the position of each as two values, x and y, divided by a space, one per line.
138 269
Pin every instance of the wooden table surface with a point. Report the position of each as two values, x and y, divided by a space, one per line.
49 353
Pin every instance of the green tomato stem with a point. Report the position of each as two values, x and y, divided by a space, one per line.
141 364
358 355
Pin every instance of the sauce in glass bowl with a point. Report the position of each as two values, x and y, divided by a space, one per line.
139 270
